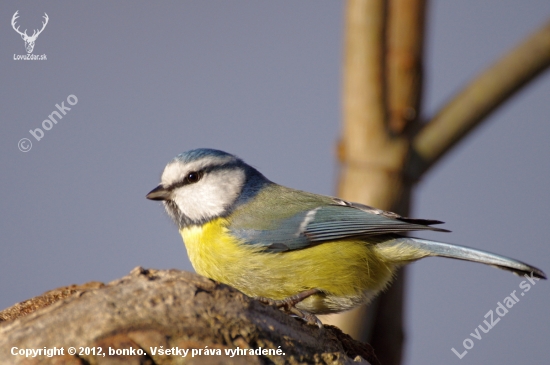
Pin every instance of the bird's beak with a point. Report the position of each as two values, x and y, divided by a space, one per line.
159 193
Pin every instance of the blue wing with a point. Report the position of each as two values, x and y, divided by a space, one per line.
340 220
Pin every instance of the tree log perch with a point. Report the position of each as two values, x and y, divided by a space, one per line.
174 309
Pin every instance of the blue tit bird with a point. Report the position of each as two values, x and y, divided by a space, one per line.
307 253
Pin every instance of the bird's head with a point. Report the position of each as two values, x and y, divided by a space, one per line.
203 184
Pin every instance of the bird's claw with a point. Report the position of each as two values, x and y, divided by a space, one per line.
289 306
309 318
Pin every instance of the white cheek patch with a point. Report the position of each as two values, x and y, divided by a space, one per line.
212 195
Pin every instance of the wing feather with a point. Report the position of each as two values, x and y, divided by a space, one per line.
316 219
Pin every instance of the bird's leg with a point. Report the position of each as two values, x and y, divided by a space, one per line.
289 305
289 302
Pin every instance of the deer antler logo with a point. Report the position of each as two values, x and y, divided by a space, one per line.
29 41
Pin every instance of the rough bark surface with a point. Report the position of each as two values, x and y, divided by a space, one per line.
151 308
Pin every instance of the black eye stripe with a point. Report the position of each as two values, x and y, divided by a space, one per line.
200 173
191 178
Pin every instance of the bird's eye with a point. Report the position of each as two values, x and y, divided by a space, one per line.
193 177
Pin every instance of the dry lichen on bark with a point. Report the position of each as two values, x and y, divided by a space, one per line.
152 309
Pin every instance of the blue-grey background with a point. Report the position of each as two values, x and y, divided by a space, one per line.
262 80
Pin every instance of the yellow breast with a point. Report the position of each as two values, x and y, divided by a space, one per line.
347 271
